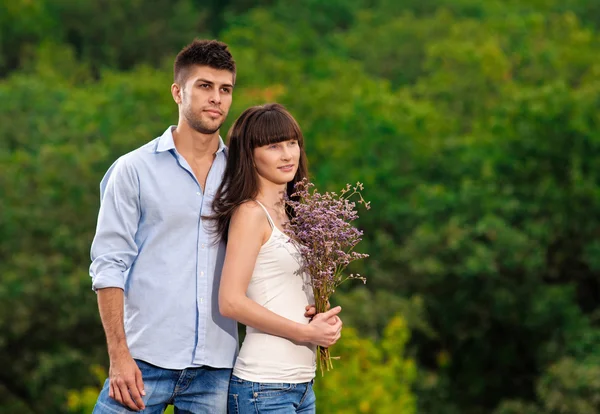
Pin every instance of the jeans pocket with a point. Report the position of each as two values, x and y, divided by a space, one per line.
233 404
149 372
274 389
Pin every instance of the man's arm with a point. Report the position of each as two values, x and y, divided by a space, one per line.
113 251
114 248
125 376
110 304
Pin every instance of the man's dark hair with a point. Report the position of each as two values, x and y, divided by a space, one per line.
211 53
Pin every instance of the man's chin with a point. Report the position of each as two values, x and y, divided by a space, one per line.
206 129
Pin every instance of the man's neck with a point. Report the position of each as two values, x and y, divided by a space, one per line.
191 143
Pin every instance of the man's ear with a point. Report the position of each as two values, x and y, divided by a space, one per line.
176 93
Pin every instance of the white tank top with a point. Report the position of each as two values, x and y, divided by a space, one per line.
276 285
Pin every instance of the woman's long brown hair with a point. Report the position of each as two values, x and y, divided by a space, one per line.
257 126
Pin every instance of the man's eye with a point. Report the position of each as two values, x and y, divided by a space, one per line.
226 90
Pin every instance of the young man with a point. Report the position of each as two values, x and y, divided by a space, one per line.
155 265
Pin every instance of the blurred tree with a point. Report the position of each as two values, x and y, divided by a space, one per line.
129 33
567 386
23 24
379 370
474 126
105 34
58 148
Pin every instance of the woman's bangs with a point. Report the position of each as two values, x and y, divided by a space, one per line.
273 127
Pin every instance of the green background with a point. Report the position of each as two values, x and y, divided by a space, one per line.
474 125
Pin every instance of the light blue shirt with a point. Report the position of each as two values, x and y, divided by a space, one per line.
152 242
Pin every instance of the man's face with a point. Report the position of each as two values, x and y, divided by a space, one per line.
206 98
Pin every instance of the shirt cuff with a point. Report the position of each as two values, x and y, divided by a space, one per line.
108 279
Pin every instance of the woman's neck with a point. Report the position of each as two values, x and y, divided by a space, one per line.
273 196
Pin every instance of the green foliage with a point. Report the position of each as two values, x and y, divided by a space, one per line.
129 32
379 370
473 125
54 153
568 386
107 34
23 23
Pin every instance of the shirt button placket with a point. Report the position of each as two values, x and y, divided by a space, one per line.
202 285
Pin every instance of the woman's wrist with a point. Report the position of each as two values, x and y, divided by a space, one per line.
304 333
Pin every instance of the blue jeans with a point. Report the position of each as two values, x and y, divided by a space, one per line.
191 391
254 397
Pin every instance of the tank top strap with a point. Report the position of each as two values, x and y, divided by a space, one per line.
267 213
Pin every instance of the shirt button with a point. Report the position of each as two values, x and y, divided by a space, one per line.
203 245
198 193
201 273
201 300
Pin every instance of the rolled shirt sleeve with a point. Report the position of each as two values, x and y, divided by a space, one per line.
114 247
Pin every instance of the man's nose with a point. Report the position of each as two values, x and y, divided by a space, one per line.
215 97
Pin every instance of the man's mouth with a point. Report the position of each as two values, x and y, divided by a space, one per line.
213 112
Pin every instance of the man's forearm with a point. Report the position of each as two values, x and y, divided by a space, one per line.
110 304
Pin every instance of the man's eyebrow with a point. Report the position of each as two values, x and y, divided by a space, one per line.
227 85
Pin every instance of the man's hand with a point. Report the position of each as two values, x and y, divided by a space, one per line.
126 385
326 328
311 310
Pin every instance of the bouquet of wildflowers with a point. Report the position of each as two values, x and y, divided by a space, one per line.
321 225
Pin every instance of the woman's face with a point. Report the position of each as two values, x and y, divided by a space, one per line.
277 163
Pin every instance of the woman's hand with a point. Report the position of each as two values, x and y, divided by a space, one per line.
325 328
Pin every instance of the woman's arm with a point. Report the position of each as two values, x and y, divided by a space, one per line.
248 230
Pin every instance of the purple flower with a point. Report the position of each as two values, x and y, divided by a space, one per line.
322 226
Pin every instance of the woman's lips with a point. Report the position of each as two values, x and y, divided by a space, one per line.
287 168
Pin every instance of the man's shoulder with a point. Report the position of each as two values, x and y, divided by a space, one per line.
140 156
134 160
143 152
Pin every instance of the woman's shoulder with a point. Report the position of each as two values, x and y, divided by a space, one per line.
249 211
250 207
249 221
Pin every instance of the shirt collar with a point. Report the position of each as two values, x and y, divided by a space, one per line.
166 143
222 146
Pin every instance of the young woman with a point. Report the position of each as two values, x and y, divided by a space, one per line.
261 285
